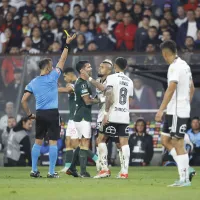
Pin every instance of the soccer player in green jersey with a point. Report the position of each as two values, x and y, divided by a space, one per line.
83 118
71 140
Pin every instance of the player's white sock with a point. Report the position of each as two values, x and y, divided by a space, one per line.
183 167
174 154
125 158
103 152
98 162
120 157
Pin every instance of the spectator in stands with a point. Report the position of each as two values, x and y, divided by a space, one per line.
76 25
27 46
92 46
137 13
142 34
4 9
76 12
47 35
169 17
81 44
16 18
166 35
153 22
34 21
84 16
8 67
105 40
197 15
189 44
4 137
181 16
112 20
143 97
194 135
3 39
119 16
150 59
19 146
39 11
12 90
55 47
157 12
48 13
54 4
72 5
90 9
141 145
66 11
84 30
191 5
119 6
128 5
54 28
125 33
26 9
188 28
59 14
26 30
37 40
92 25
152 37
197 42
10 112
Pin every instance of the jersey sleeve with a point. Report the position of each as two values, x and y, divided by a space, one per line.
110 81
29 88
173 74
83 87
55 73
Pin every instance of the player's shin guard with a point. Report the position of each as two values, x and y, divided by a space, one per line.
75 158
83 160
125 158
120 157
174 154
35 155
53 154
69 156
103 152
183 167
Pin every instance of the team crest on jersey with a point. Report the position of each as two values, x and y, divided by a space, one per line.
111 130
83 86
182 128
127 130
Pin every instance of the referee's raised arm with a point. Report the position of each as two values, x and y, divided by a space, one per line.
64 54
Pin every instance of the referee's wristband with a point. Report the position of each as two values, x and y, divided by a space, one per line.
67 47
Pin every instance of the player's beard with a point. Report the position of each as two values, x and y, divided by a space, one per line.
100 75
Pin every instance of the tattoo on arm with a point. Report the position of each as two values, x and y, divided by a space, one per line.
109 98
98 85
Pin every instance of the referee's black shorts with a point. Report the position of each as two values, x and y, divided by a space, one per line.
48 123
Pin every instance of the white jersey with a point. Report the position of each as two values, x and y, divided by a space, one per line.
101 94
122 90
179 72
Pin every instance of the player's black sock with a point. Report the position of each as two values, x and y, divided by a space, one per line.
69 157
83 160
75 158
92 155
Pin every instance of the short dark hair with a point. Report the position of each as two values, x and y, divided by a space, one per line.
195 118
77 5
80 65
121 63
169 44
68 70
153 27
11 117
42 63
138 121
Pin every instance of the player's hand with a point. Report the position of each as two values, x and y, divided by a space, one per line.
105 120
159 116
70 38
86 75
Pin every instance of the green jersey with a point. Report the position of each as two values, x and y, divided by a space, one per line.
72 103
83 111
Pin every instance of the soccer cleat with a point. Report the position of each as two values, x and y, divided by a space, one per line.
103 174
55 175
192 173
180 184
64 170
85 175
123 176
72 172
35 174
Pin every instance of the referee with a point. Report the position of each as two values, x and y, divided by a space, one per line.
45 90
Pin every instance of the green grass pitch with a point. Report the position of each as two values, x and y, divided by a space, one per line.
145 183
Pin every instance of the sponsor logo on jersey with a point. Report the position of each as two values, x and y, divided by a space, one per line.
121 109
111 130
123 83
84 91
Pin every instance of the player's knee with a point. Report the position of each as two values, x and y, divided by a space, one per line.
118 145
52 142
74 143
123 141
38 141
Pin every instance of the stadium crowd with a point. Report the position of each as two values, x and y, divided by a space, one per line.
36 26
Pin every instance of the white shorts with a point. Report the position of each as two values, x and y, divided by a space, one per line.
71 130
84 129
